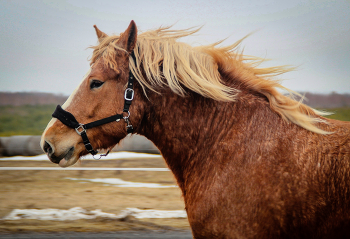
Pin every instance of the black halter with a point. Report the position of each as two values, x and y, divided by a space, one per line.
69 120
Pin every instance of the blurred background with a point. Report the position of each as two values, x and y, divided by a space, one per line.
44 55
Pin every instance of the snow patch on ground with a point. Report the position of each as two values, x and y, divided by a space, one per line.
121 183
77 213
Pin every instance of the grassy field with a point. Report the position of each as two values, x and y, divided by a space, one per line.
339 113
24 120
32 120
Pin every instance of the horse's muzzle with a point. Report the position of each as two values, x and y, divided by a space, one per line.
50 151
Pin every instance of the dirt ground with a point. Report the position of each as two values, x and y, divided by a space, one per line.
51 189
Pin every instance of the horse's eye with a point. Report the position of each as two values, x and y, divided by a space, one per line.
95 84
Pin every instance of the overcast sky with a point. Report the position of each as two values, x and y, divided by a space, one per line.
43 44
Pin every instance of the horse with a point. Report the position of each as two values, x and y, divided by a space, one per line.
251 162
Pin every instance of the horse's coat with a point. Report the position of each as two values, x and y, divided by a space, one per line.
251 163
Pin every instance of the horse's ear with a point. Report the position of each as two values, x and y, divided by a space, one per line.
100 34
128 39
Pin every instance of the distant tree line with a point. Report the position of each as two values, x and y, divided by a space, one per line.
333 100
31 98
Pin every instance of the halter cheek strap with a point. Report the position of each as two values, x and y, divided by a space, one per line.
69 120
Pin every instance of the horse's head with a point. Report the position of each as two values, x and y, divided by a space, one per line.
100 95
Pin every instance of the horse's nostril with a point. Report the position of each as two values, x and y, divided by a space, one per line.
48 149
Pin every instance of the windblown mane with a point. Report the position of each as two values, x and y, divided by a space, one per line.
168 63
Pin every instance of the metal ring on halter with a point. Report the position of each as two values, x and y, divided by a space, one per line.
101 155
127 117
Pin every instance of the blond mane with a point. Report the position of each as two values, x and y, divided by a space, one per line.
169 63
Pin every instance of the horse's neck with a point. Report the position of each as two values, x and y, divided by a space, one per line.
190 130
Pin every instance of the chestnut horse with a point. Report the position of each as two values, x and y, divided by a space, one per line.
250 161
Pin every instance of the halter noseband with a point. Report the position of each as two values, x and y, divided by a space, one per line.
69 120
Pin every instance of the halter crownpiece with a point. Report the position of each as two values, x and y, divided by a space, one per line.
69 120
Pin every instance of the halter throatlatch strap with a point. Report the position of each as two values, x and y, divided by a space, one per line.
129 92
69 120
129 96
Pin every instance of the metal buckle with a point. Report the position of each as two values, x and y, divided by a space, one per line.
81 126
129 128
127 117
127 90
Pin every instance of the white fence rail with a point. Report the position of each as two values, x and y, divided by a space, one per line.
85 169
